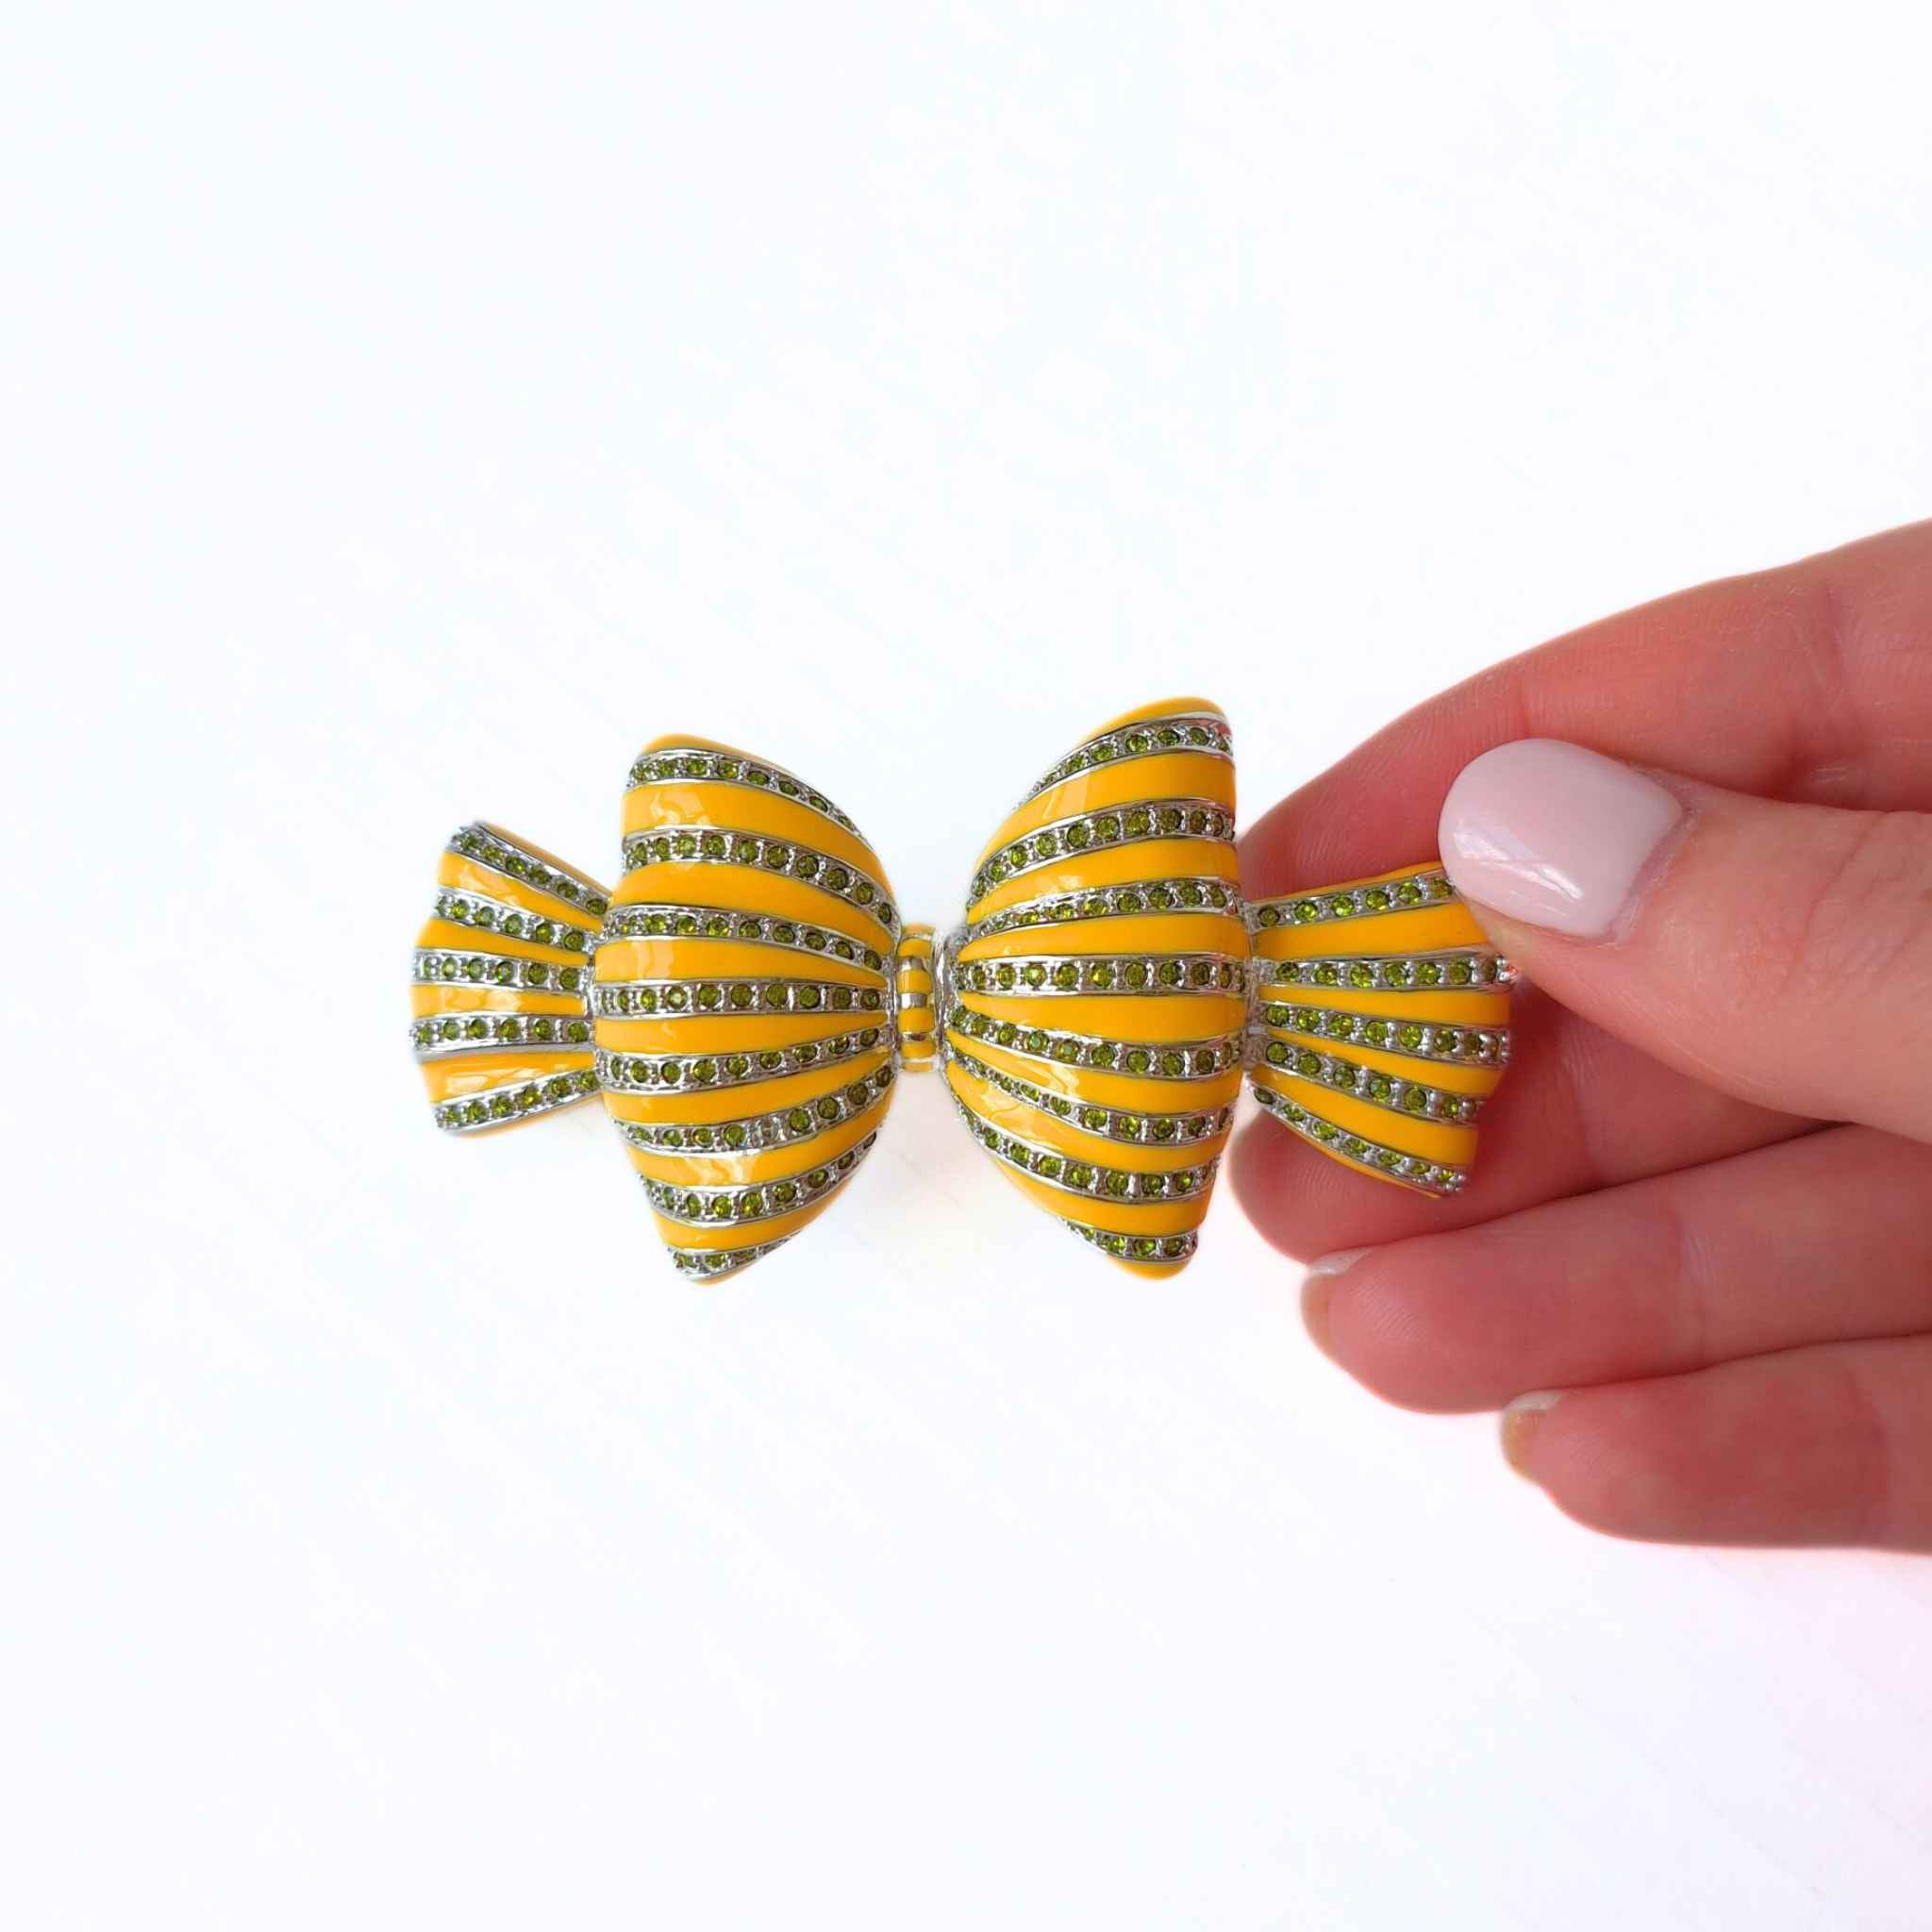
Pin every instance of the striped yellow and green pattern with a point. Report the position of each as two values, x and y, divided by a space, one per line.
1383 1024
742 1000
1098 997
499 992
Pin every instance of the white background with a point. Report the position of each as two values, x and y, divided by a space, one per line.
410 410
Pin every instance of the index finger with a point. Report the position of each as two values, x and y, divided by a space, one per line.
1812 683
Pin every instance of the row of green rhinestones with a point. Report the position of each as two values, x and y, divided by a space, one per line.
661 767
1431 1175
710 1263
1354 902
1138 1248
516 1103
1157 1128
1169 818
700 1204
1138 741
656 921
779 855
1189 1059
1413 1037
1415 973
499 969
1105 902
1078 1176
1367 1083
485 847
627 999
632 1073
1140 973
781 1128
466 1032
512 921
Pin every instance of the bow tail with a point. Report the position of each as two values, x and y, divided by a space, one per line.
500 984
1381 1023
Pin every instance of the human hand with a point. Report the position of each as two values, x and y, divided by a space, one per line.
1694 1266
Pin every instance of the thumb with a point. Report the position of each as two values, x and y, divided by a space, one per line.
1782 953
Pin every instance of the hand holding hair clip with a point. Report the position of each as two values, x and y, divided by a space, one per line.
745 998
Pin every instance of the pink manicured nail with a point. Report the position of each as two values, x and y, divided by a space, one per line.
1552 834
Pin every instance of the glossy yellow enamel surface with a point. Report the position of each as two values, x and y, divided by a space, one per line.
745 1063
913 992
1383 1024
1079 1032
500 1020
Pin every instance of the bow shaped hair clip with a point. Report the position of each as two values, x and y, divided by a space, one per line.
745 999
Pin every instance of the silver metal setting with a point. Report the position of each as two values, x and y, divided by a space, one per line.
1073 1175
1151 738
1118 975
1109 902
512 921
485 845
838 878
678 764
435 964
788 1126
1111 1123
1179 1060
522 1102
663 918
1138 1248
1460 971
714 1264
672 999
1415 1099
1100 831
440 1036
1387 1033
657 1073
754 1201
1432 1176
1428 886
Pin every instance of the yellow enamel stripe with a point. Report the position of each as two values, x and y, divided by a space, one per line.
1135 862
1026 1121
447 936
1478 1078
707 959
1426 929
722 804
435 996
1128 1016
465 1074
1121 783
707 1105
1437 1140
1486 1012
713 1034
712 1169
1115 1217
1127 1092
1159 713
1117 932
456 874
747 889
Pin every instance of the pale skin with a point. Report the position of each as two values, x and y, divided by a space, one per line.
1702 1215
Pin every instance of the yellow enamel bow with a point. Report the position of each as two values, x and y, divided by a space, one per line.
745 998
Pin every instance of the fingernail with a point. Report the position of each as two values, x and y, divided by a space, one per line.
1552 834
1521 1421
1318 1284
